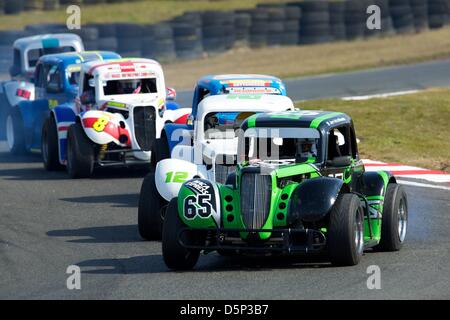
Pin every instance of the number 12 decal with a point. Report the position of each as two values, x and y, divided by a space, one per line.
176 177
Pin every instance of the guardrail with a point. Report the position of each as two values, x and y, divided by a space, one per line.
200 33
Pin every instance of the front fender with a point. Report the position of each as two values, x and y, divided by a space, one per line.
170 174
104 127
177 115
64 116
313 199
199 204
33 112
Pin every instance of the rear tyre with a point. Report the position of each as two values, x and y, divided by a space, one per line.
160 151
49 145
346 231
151 210
15 135
80 153
175 255
394 220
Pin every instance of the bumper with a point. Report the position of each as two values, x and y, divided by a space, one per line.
126 158
283 241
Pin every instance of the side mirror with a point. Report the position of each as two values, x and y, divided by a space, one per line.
171 94
340 162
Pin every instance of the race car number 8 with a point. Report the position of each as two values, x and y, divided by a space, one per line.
100 124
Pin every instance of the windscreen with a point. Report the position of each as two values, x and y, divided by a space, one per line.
224 125
130 86
297 144
34 54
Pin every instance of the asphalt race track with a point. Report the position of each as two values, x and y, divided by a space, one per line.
49 222
366 82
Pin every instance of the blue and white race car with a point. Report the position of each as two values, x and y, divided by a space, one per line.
55 82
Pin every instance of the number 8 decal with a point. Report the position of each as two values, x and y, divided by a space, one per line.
100 124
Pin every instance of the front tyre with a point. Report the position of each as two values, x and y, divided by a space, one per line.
15 132
160 151
394 220
175 255
49 142
151 209
346 231
80 153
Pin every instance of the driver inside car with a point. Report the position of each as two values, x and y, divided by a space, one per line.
132 86
306 149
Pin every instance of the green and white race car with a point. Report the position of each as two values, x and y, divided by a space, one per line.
299 188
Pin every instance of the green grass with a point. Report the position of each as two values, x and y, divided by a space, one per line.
411 129
144 12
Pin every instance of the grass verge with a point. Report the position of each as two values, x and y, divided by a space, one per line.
411 129
294 61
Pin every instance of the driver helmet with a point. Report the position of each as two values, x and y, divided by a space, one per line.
129 86
306 148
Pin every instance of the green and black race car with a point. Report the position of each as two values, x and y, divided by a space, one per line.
299 188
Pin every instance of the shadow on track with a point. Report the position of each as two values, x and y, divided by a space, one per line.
6 157
116 200
107 234
210 263
133 265
31 174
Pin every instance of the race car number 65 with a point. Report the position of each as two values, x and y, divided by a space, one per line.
100 124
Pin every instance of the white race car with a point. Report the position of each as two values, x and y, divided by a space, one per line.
208 152
120 110
26 53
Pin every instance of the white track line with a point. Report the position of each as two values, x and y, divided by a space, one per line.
380 95
423 185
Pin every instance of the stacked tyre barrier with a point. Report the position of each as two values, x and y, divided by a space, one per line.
242 24
218 31
438 13
402 16
283 24
337 20
187 35
199 33
314 22
258 29
158 42
420 12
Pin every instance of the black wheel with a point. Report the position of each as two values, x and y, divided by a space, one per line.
152 208
394 220
49 145
80 153
15 135
160 151
175 255
346 231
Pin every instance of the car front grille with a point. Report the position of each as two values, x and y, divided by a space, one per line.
222 172
256 191
144 126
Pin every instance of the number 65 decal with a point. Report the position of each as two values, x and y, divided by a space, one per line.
198 205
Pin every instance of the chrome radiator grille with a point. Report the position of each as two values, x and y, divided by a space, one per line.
144 126
255 199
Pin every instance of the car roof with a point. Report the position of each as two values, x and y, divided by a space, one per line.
241 103
215 83
122 65
48 40
322 120
78 57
